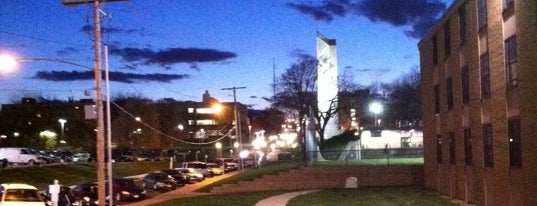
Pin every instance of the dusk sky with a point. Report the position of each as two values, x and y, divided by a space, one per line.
179 49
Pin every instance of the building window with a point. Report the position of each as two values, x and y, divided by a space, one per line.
467 146
482 13
449 93
439 148
515 140
452 159
485 75
462 24
436 99
488 149
435 50
447 39
465 80
511 62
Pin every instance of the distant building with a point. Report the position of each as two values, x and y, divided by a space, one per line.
479 102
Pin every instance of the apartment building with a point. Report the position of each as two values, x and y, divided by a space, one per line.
479 102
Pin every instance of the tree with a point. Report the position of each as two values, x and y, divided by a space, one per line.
296 87
136 124
404 97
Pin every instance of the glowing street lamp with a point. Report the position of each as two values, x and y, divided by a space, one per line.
376 108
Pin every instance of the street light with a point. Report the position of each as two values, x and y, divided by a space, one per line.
376 108
62 124
218 146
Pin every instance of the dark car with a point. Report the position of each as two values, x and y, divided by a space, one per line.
178 176
127 190
86 194
159 181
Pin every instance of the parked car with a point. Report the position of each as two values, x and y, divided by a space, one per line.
200 167
178 176
215 168
192 174
18 155
159 180
82 157
229 164
127 190
86 194
17 194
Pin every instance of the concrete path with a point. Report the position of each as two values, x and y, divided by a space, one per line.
281 200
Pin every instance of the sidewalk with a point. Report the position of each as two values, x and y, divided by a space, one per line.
281 200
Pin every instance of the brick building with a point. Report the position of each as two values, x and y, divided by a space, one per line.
479 102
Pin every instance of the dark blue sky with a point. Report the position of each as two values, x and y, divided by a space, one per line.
179 49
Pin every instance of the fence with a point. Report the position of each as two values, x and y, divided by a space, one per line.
402 156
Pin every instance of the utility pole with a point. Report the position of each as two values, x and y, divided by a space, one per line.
100 147
237 121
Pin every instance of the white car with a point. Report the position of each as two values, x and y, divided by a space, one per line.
17 194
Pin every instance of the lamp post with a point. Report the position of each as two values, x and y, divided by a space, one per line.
62 125
218 146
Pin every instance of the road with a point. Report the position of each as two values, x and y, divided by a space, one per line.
185 191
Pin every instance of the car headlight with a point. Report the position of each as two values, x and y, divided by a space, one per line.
143 192
125 193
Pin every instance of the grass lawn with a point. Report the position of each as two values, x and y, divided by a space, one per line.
389 196
68 174
386 196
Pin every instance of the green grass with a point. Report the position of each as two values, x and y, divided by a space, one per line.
69 174
251 174
385 196
382 196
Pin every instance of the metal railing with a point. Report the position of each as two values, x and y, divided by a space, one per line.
399 156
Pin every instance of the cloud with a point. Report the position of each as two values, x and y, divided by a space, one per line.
62 76
171 56
66 51
418 16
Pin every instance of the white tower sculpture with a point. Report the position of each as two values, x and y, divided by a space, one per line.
327 81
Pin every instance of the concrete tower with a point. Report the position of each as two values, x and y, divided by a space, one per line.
327 81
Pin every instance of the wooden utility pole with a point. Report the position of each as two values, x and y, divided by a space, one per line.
237 121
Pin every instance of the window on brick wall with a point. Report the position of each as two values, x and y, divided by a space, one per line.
462 24
447 39
467 146
488 149
465 81
436 99
435 50
439 148
511 62
452 157
515 143
449 93
485 75
482 13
